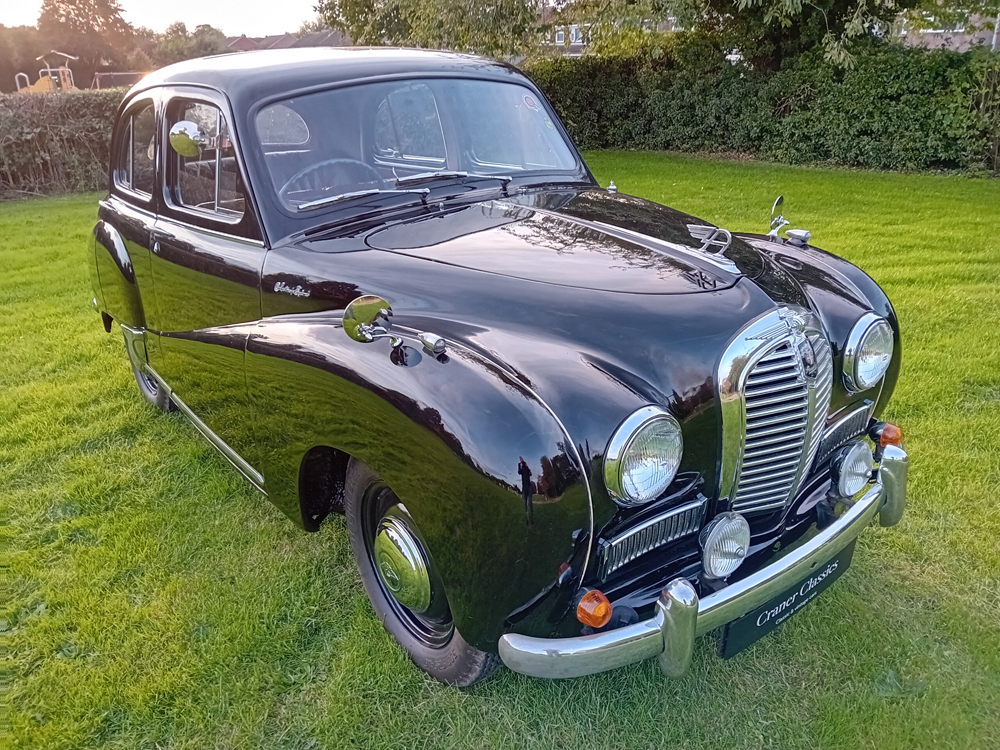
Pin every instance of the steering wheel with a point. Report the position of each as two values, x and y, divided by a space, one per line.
324 175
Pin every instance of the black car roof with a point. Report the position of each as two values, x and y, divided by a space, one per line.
247 77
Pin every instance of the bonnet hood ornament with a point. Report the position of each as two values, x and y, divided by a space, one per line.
713 239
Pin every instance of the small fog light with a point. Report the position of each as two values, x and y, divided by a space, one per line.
852 468
724 544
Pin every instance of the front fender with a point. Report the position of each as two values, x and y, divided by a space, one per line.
447 434
119 292
840 292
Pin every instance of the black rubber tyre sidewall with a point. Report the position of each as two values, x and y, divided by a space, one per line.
456 663
155 396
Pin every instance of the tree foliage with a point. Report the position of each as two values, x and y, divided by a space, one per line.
763 32
176 43
498 28
93 29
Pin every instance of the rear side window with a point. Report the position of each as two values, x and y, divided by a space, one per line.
136 157
207 178
280 125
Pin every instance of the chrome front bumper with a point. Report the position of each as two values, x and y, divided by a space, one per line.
681 616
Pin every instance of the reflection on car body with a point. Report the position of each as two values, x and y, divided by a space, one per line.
569 428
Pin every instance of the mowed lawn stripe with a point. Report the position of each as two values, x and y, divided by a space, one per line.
153 599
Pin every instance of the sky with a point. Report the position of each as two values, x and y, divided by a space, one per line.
234 17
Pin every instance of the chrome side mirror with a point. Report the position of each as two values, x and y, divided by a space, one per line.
367 318
187 139
777 220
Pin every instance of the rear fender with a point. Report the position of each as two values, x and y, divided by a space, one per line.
119 292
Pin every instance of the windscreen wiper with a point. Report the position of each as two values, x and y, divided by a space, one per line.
330 200
422 177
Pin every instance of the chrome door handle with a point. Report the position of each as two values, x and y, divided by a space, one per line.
156 248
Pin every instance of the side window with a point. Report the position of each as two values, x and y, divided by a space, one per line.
143 150
208 180
136 156
407 126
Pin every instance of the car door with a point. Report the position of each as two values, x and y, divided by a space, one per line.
130 212
206 258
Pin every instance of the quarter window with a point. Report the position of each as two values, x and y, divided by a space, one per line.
407 126
208 182
280 125
136 158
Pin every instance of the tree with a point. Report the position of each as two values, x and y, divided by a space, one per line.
177 44
19 46
498 28
764 32
93 30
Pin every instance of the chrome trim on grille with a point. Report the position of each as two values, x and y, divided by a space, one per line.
654 533
844 429
774 405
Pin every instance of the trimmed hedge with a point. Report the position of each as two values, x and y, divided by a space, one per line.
898 108
56 142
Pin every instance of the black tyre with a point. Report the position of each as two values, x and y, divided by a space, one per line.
148 387
425 630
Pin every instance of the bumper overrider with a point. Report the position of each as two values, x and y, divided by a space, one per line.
681 616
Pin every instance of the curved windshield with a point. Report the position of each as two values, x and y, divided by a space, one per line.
347 143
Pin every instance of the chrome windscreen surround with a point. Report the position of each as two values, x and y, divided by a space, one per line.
774 380
656 532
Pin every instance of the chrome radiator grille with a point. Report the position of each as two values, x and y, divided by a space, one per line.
777 420
646 537
775 381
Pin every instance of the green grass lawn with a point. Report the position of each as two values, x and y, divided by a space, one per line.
152 599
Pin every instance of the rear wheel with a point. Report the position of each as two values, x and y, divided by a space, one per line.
402 583
148 385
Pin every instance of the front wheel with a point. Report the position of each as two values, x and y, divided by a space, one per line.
402 583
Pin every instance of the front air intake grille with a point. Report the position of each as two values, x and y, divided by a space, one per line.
777 422
646 537
848 428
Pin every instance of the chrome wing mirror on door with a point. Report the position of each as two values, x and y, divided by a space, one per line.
188 140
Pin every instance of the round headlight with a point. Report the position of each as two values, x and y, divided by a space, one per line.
643 456
868 352
852 468
725 542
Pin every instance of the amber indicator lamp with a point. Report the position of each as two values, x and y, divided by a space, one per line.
594 609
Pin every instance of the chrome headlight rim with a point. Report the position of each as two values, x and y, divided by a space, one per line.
855 341
619 445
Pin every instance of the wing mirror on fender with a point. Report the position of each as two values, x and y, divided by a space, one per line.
777 220
187 139
367 318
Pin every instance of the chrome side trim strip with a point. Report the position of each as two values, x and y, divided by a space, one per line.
238 462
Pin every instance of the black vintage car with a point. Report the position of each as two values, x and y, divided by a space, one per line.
569 428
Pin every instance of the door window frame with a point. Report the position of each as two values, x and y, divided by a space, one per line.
124 130
247 227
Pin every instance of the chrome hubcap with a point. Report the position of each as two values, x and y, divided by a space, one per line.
401 564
